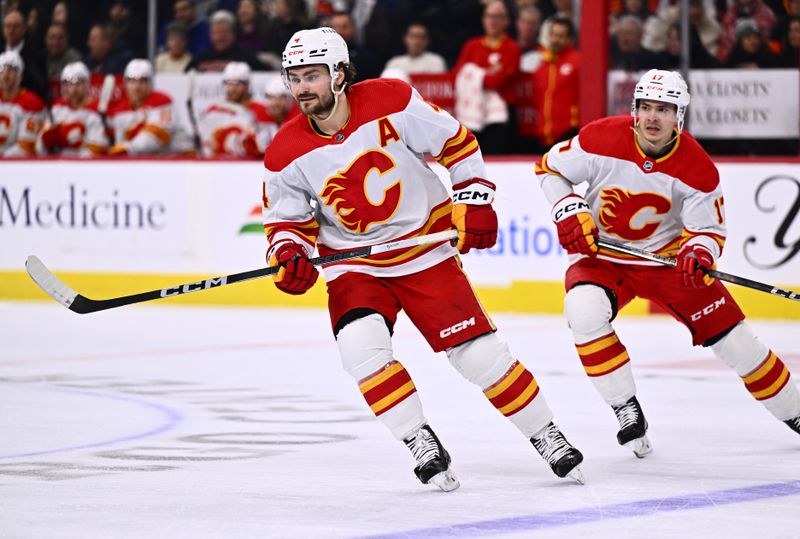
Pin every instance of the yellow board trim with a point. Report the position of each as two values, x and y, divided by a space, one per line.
539 297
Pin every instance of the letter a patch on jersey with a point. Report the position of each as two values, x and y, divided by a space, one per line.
387 132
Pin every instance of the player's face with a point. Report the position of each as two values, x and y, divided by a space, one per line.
656 121
311 88
9 78
74 92
137 90
236 91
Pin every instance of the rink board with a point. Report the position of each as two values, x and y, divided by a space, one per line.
110 228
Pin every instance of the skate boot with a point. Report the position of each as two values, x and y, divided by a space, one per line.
794 424
433 461
632 427
562 457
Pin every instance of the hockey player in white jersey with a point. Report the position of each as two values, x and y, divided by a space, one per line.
144 123
237 126
651 185
75 128
351 172
21 111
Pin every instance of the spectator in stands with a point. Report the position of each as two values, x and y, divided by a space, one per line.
418 59
57 51
21 111
564 9
105 56
528 24
626 49
16 39
176 57
76 128
143 122
744 9
288 17
69 14
484 80
556 88
790 56
750 51
223 47
251 25
656 27
280 103
197 31
699 57
237 126
129 29
366 63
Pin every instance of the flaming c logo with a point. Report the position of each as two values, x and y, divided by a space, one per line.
5 126
347 193
73 134
620 206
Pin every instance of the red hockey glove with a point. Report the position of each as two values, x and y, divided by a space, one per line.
473 216
297 274
250 146
577 231
693 261
52 138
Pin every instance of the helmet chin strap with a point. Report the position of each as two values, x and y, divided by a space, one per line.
649 145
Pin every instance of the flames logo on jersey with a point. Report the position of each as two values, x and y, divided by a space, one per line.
5 127
72 134
620 207
134 130
347 193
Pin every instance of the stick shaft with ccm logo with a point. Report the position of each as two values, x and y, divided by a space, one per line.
78 303
722 276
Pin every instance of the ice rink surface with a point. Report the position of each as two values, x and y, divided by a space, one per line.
158 421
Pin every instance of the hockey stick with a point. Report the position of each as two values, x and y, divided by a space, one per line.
190 110
722 276
66 296
105 97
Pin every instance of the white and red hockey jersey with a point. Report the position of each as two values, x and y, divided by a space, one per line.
150 128
79 131
653 204
369 182
233 129
21 119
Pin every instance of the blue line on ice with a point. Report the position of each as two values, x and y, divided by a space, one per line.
170 419
586 515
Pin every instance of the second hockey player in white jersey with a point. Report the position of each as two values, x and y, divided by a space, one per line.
237 126
144 122
76 128
650 184
21 111
351 172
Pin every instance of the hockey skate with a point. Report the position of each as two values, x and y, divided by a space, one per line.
794 424
433 461
632 428
562 457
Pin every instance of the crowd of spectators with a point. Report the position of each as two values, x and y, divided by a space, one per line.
514 64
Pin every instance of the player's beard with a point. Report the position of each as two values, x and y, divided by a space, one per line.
322 107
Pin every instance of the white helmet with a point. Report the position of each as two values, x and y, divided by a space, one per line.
75 72
236 71
317 46
664 86
13 60
139 69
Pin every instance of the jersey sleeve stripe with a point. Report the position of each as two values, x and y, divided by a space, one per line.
458 147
